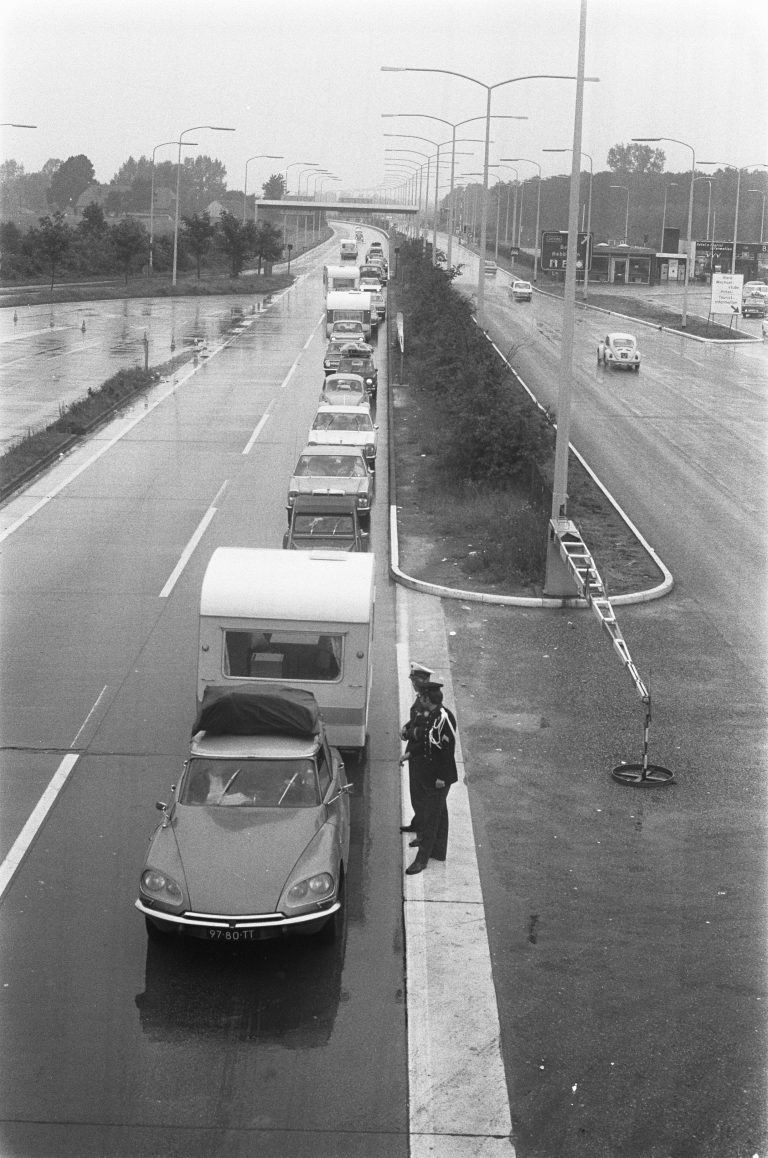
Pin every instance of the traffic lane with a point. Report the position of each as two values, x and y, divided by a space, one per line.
627 927
654 449
146 704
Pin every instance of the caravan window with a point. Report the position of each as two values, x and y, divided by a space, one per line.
283 655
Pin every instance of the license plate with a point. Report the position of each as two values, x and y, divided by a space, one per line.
233 934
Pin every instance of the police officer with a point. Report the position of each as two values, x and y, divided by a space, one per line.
419 676
433 764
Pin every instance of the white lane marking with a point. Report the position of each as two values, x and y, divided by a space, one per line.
70 478
257 431
290 373
458 1098
87 718
186 554
311 337
35 821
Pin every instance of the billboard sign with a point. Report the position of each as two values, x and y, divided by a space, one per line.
554 250
726 293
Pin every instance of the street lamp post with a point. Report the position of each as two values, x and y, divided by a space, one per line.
667 187
689 239
489 88
760 193
152 199
538 213
301 174
215 129
256 157
709 199
626 217
312 165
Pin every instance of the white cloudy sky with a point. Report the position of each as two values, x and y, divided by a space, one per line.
302 78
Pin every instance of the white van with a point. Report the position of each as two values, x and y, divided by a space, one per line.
348 250
341 277
352 306
299 619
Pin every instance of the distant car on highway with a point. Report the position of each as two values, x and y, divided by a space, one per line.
490 268
521 291
619 350
333 470
754 305
357 358
345 390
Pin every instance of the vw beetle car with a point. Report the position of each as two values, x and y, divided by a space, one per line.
345 426
619 350
325 523
344 390
254 843
333 470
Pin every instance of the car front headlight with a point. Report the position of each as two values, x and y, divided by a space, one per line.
369 451
291 497
162 888
312 889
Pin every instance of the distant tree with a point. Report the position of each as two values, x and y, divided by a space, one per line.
10 238
114 202
70 180
636 158
274 188
203 180
139 196
51 241
51 166
128 240
199 232
93 222
238 240
268 243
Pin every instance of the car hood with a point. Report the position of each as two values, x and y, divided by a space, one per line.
236 860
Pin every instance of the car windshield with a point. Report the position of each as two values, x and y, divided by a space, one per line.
353 422
219 783
324 526
330 466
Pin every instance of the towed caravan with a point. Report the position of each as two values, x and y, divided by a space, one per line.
297 619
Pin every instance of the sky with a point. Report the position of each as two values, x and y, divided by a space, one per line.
302 79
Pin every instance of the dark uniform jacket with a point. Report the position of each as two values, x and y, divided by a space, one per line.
433 743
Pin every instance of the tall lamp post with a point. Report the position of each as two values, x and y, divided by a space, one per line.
709 199
725 165
152 199
489 89
588 254
256 157
538 213
293 164
301 174
454 126
626 216
215 129
689 259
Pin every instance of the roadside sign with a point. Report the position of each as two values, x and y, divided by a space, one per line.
400 333
554 250
726 293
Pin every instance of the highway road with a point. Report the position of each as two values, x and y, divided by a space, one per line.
627 931
112 1045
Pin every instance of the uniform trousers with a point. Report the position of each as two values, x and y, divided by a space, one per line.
433 823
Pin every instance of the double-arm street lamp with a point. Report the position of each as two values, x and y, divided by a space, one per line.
489 89
256 157
215 129
293 164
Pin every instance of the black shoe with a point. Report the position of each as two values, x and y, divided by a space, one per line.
407 828
418 866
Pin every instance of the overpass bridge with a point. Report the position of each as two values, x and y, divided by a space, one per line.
292 205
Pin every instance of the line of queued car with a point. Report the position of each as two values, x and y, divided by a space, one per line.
332 488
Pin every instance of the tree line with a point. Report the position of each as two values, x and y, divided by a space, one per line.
94 246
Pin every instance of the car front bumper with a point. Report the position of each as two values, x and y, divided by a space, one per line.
254 927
